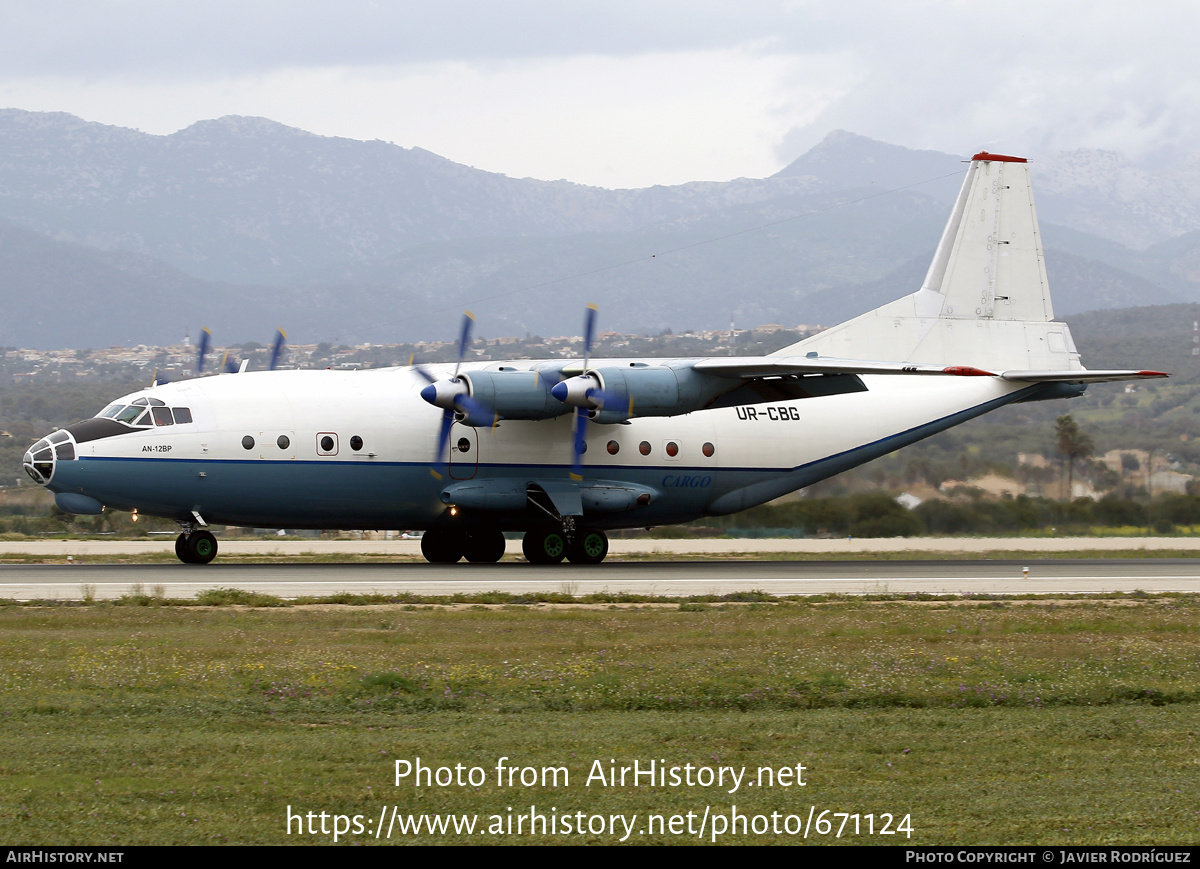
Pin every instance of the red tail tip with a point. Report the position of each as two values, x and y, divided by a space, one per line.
998 158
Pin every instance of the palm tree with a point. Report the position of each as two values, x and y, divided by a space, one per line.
1072 444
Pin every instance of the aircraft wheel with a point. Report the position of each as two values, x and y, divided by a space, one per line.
544 547
485 546
440 546
589 547
200 547
181 548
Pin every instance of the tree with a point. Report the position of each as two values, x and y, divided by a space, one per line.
1073 444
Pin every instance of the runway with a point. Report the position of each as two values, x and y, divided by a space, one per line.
674 579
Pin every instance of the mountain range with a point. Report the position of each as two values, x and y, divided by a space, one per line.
113 236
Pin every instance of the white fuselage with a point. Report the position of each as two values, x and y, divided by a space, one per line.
341 449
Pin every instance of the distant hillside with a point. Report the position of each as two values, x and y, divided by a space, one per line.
243 224
1161 337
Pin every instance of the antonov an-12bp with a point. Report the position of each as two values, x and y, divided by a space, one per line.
566 450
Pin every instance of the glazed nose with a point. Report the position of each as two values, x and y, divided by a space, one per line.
41 458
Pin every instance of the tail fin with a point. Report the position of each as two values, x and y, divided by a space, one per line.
985 301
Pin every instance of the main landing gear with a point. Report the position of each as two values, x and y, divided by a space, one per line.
479 546
551 547
196 547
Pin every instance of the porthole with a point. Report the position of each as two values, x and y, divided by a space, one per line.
708 449
356 443
284 442
672 449
644 448
326 444
613 448
247 443
464 445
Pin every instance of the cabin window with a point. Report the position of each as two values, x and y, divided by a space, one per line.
708 449
644 448
327 444
284 442
247 443
464 445
356 443
672 449
613 448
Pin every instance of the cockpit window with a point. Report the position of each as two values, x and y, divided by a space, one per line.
129 415
146 411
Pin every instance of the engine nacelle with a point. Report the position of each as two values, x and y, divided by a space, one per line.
514 394
618 393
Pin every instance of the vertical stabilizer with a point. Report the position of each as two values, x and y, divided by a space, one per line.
989 263
985 300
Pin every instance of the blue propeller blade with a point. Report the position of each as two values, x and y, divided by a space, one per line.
439 462
464 340
228 364
277 347
579 424
589 332
579 441
468 405
476 413
205 341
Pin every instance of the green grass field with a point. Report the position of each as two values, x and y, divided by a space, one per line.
1031 722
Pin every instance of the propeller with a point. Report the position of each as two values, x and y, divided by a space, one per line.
205 342
277 348
587 396
229 364
563 390
453 396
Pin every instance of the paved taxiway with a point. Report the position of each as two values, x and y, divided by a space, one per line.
106 581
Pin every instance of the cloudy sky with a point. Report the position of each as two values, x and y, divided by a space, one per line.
626 94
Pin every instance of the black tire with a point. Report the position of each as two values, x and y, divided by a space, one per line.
589 547
200 547
485 547
440 546
181 548
544 547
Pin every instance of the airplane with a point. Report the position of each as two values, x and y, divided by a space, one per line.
567 450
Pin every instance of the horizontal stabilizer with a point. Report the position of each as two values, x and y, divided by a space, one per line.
754 367
1086 376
